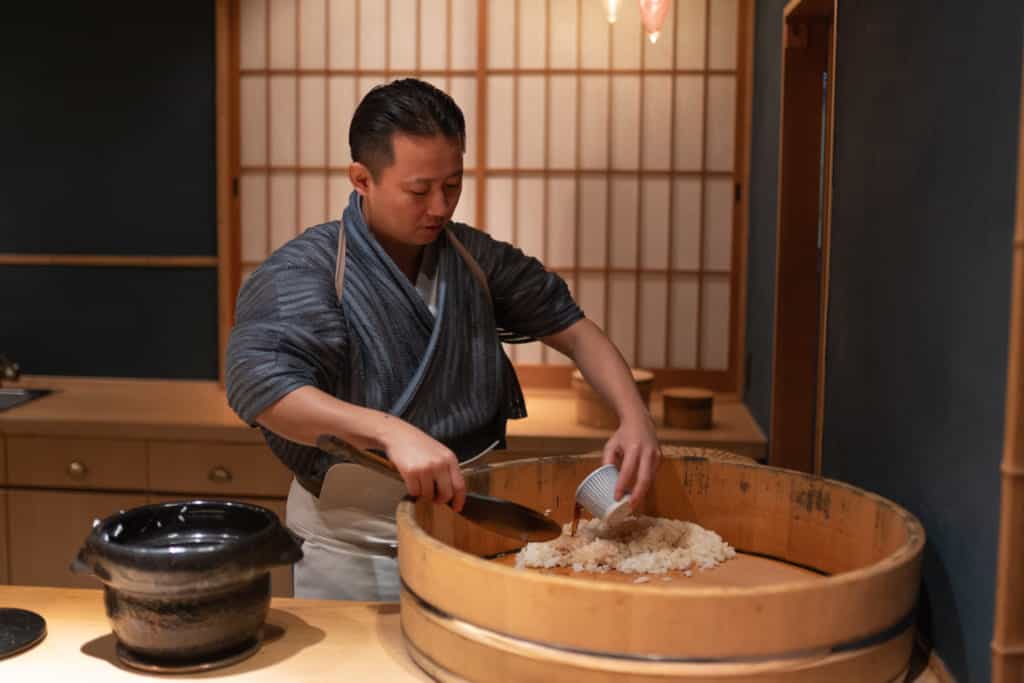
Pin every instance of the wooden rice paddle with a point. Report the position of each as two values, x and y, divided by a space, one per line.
494 514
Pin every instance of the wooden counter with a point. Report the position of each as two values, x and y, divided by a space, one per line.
308 640
97 446
551 427
127 409
192 410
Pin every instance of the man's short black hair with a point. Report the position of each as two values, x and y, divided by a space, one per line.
408 106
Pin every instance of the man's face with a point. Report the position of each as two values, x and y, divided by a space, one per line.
414 198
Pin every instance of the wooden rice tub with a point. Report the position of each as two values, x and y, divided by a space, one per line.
823 588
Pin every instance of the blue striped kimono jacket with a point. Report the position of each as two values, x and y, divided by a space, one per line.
379 346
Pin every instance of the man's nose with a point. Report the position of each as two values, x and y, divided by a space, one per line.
438 202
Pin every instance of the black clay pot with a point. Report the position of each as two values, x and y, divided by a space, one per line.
187 581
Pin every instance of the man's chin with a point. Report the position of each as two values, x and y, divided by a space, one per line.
428 236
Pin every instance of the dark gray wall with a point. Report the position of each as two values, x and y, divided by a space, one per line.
764 178
107 141
925 172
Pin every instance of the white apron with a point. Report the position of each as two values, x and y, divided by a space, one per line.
351 542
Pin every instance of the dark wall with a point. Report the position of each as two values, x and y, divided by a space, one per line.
107 132
764 178
925 172
112 322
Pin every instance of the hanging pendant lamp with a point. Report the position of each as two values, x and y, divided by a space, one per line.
612 9
652 13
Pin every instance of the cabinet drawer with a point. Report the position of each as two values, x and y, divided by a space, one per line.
76 463
281 583
216 468
52 525
3 536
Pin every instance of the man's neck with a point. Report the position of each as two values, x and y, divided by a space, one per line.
406 256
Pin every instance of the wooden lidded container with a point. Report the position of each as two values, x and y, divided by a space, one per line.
468 616
591 409
687 407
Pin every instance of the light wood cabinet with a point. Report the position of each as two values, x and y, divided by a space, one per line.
281 584
216 468
76 463
3 536
56 486
47 529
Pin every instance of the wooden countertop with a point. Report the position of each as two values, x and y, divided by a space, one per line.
307 640
181 409
127 408
552 421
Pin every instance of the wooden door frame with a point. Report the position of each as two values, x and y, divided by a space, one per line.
801 292
229 267
1008 631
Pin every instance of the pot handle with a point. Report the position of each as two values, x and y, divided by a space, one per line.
282 548
79 565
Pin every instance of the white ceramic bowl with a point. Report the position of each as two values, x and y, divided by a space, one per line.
597 494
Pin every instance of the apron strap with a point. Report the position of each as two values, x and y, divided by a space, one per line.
474 267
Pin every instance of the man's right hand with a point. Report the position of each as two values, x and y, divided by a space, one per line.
428 467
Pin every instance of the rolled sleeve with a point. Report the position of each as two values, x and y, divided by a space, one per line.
288 334
529 301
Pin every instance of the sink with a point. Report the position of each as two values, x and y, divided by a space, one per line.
10 398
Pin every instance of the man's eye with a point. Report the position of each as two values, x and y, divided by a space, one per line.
419 194
453 186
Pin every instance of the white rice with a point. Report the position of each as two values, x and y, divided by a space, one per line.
640 545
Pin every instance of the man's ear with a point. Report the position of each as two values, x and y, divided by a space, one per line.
360 177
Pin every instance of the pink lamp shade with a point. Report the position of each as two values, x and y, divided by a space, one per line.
652 13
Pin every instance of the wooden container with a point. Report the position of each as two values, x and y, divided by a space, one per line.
591 409
467 616
687 407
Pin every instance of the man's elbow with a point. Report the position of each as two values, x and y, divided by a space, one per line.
567 341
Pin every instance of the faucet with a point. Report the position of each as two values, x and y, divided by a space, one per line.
9 370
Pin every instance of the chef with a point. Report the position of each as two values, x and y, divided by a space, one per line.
385 328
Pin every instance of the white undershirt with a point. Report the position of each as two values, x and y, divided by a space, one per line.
426 279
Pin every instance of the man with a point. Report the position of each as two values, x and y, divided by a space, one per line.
385 329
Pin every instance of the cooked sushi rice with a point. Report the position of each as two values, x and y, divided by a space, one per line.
641 545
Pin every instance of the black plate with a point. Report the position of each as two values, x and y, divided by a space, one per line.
19 630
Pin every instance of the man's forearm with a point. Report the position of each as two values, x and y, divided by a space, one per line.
634 445
306 413
603 367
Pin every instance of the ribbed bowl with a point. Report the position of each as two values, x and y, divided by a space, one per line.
597 494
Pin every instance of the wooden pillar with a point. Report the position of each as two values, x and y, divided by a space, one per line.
1008 639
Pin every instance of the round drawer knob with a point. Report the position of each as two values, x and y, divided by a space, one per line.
221 475
77 470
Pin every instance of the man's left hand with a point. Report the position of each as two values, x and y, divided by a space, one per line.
634 449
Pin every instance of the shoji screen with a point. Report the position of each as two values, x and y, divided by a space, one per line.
616 161
612 159
303 66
